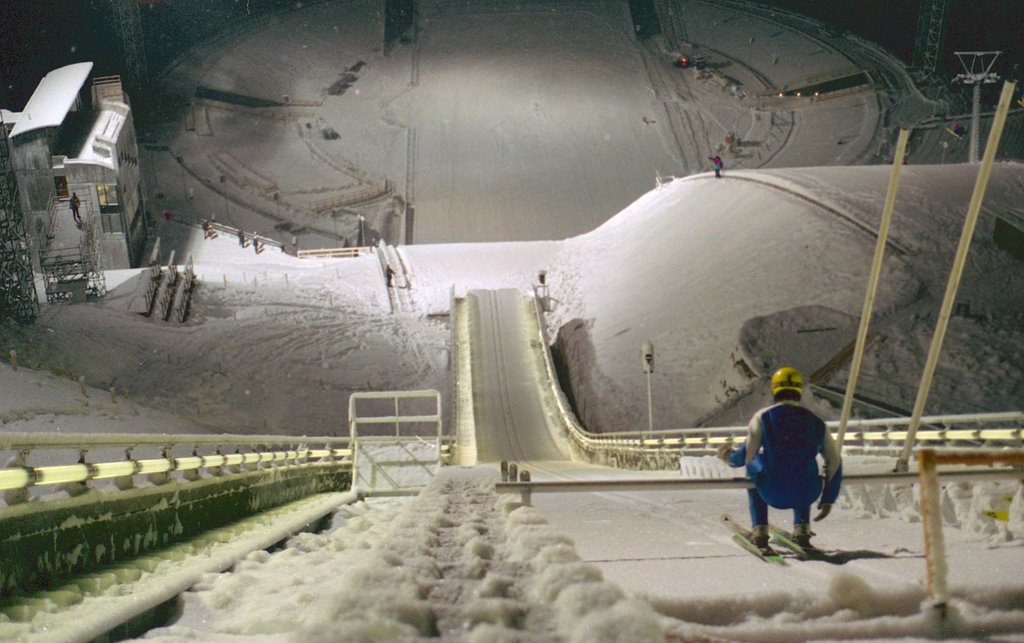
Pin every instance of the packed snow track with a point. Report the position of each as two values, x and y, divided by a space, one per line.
511 423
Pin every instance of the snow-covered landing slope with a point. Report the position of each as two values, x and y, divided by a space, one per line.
692 264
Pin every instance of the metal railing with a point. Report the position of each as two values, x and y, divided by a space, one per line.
329 253
527 487
976 428
395 450
196 453
661 448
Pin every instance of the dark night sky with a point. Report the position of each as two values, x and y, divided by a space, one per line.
972 25
39 35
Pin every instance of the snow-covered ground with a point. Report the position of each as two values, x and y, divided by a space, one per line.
764 266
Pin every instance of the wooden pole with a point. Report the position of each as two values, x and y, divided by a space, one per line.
973 212
876 271
931 518
928 461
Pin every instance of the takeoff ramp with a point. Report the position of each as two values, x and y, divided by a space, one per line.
510 393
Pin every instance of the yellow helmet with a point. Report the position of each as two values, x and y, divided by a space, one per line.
787 379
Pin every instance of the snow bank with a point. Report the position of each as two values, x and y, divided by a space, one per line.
587 608
849 608
991 509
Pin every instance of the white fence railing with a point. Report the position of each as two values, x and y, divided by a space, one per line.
77 459
959 430
397 445
332 253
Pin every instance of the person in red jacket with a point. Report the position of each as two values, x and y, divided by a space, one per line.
780 455
717 162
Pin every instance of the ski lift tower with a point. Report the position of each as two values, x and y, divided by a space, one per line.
978 71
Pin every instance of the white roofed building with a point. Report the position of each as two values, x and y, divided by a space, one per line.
74 138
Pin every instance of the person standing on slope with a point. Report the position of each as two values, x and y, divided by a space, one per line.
780 454
717 162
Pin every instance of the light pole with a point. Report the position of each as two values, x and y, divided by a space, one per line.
647 351
224 192
542 291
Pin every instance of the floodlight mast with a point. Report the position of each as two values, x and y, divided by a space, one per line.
978 72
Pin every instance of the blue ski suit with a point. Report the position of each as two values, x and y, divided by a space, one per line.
780 453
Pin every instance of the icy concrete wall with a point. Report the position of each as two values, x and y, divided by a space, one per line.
44 541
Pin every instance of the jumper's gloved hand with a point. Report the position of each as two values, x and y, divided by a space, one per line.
723 452
823 510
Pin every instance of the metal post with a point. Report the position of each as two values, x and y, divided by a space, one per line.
650 406
647 352
975 122
224 193
876 270
973 212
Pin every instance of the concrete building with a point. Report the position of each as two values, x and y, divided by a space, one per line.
74 138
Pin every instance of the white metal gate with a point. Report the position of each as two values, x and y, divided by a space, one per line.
396 441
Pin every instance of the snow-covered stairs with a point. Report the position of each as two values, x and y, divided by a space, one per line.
461 563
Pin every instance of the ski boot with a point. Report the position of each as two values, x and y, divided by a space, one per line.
802 535
759 536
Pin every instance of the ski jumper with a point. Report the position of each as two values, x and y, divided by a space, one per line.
780 454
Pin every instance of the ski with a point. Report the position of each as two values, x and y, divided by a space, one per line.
782 537
742 536
785 539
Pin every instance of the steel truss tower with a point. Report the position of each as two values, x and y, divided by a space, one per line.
931 27
17 290
128 19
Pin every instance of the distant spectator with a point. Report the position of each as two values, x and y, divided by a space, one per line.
717 162
76 203
167 215
389 274
256 245
242 241
208 231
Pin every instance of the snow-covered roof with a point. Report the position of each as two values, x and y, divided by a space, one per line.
9 117
100 146
53 98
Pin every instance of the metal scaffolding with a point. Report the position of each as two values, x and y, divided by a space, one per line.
72 274
17 290
129 29
931 27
